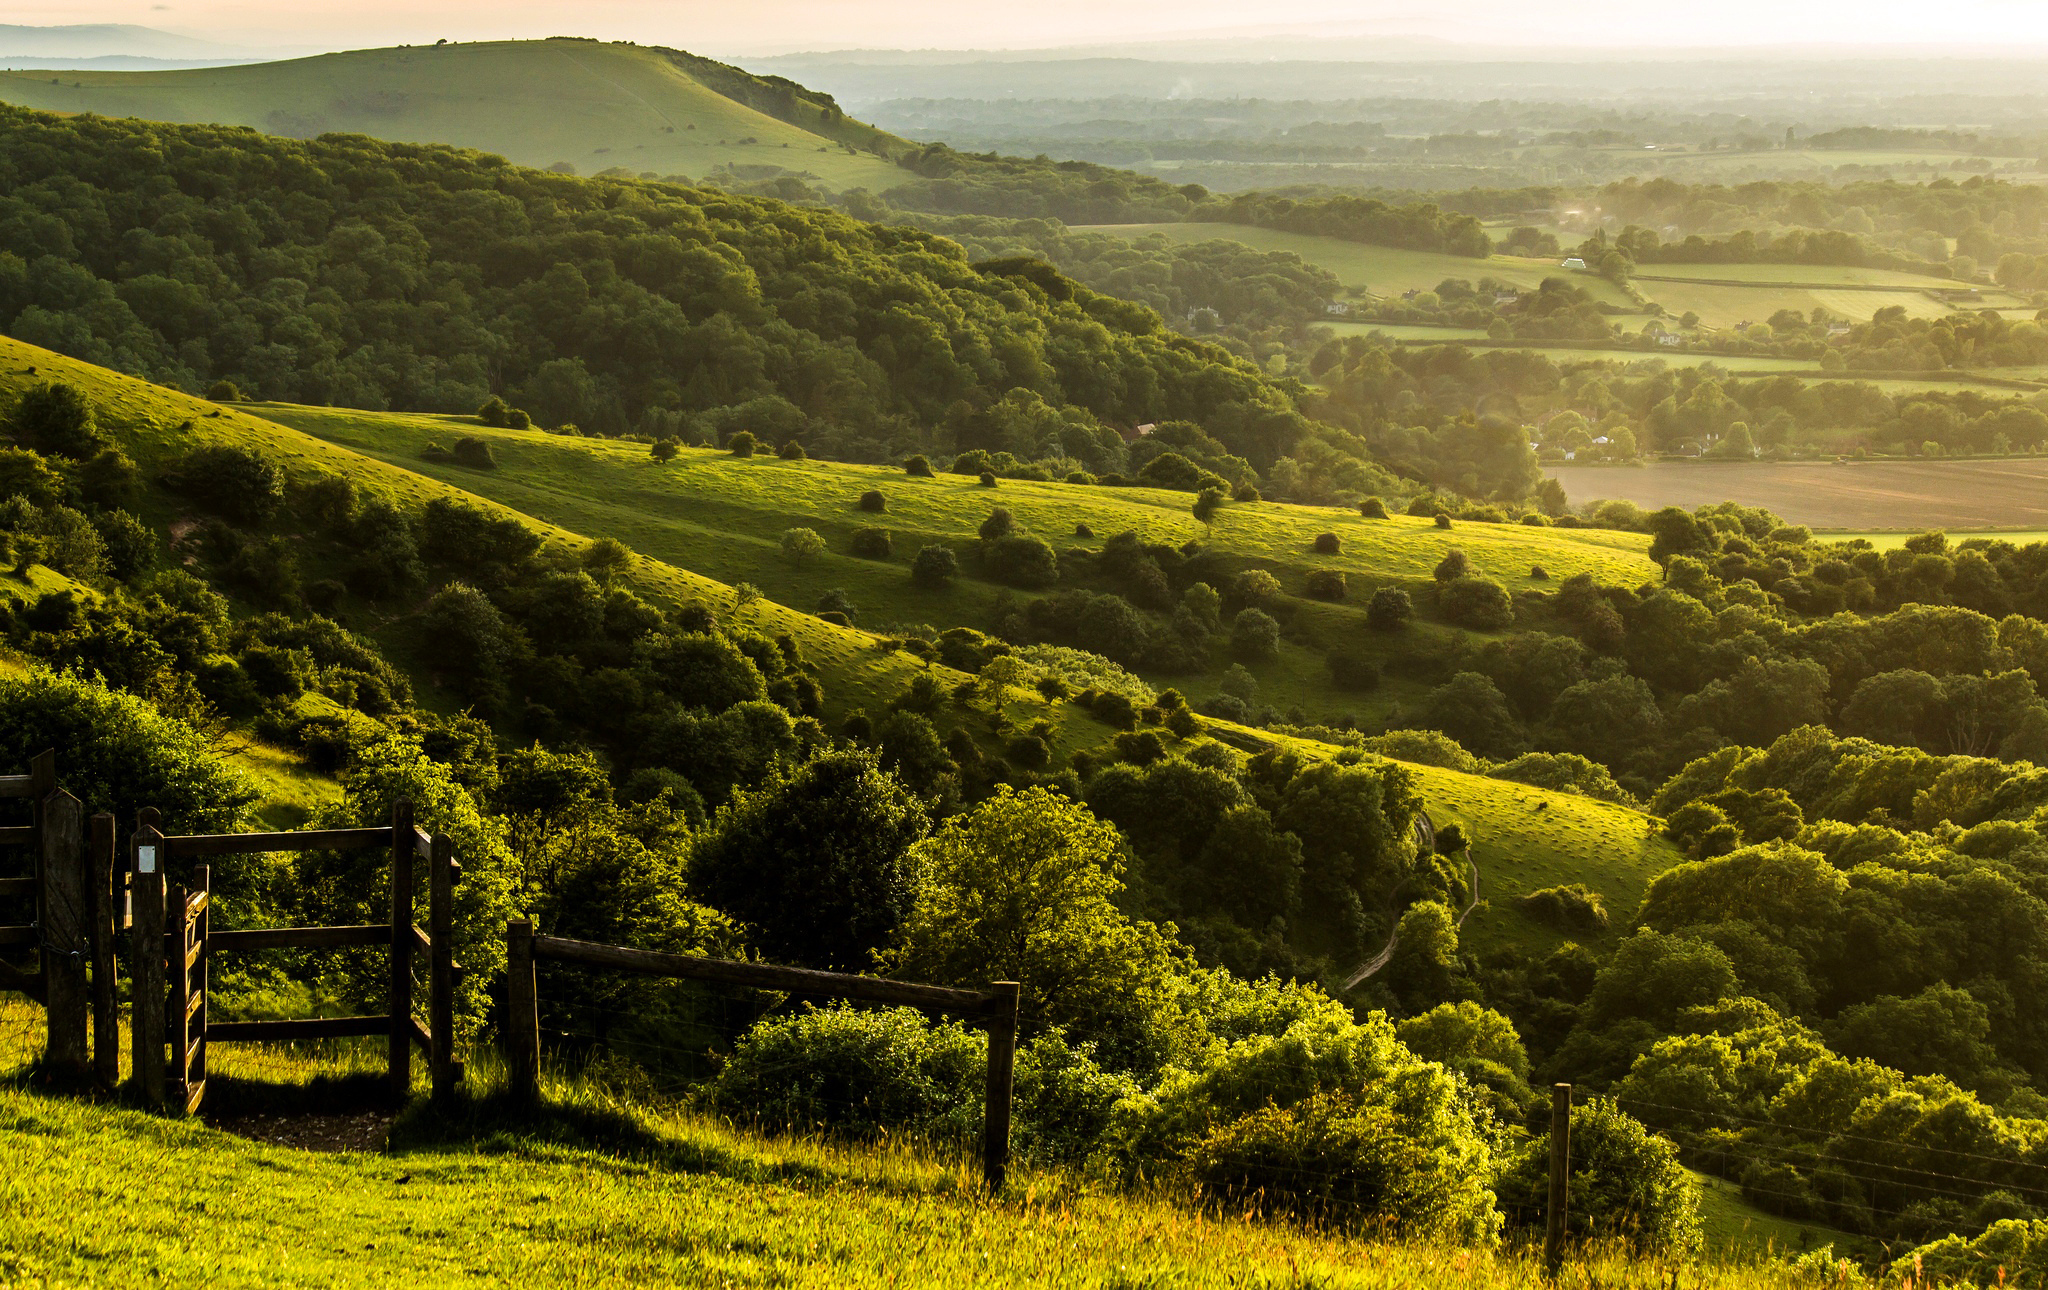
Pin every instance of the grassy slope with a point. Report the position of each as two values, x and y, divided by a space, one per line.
536 102
712 512
723 516
599 1193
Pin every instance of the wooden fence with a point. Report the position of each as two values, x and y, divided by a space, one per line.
72 925
995 1009
170 986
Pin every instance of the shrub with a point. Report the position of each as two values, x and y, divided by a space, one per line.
1443 521
873 502
1247 493
1389 610
1536 520
1255 587
791 451
1326 584
1478 603
1083 531
1207 503
801 544
999 524
935 566
1373 508
1115 710
837 618
1626 1184
475 453
225 392
233 482
493 412
1021 561
1573 907
664 450
1539 573
871 543
1350 669
1424 505
855 1071
57 420
987 480
1254 635
919 466
1453 566
836 601
1140 747
1028 752
974 461
742 443
1327 544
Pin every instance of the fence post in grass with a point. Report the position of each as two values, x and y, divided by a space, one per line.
178 1007
441 967
402 845
106 1017
522 1012
1002 1069
65 911
1560 1163
146 961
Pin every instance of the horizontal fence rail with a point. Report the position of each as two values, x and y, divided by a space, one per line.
995 1009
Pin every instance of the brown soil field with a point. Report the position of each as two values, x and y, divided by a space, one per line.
2007 493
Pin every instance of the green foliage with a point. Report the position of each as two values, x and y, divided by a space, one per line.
934 567
55 419
1479 603
1254 636
816 863
1625 1183
234 482
1573 907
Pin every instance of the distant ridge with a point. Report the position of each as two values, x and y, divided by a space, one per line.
98 44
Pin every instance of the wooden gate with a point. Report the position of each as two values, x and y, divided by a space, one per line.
69 896
170 987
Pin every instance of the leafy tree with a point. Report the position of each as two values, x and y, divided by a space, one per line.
55 419
1327 544
873 501
1479 603
999 524
918 467
234 482
1626 1184
1471 709
1022 888
816 863
800 545
664 450
871 543
1389 610
742 443
1254 636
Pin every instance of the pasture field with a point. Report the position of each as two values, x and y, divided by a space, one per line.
1808 275
1909 496
1720 306
1886 539
1383 270
595 106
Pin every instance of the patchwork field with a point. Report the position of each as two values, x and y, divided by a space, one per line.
1725 306
1381 269
2005 493
595 106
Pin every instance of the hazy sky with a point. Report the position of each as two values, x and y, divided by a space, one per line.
775 26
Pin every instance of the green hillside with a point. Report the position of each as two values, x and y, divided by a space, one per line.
595 106
723 517
707 521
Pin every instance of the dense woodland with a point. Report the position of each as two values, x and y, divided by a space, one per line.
1832 1000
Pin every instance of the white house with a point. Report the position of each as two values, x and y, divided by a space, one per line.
1574 263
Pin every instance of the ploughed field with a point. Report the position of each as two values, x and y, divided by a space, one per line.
1908 496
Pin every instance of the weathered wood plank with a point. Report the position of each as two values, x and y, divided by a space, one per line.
296 1028
762 976
20 936
301 938
229 844
146 974
18 835
17 887
106 1013
400 838
17 786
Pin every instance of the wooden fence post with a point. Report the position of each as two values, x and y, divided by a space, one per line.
65 904
522 1012
146 961
441 970
402 846
106 1015
1560 1165
1002 1069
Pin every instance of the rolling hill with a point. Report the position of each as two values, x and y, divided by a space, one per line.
594 106
708 520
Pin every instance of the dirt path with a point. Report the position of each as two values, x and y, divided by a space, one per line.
1374 965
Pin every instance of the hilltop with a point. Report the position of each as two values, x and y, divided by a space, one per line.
595 106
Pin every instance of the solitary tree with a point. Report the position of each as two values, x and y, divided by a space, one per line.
799 545
663 450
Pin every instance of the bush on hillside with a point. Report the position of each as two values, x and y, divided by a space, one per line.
1573 907
1626 1184
1326 584
1021 561
871 543
918 465
55 419
935 566
1352 669
873 501
225 392
742 443
1389 610
1479 603
234 482
664 450
792 450
1443 521
987 480
1373 508
1254 636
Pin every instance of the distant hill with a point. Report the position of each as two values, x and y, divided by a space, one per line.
593 106
96 42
